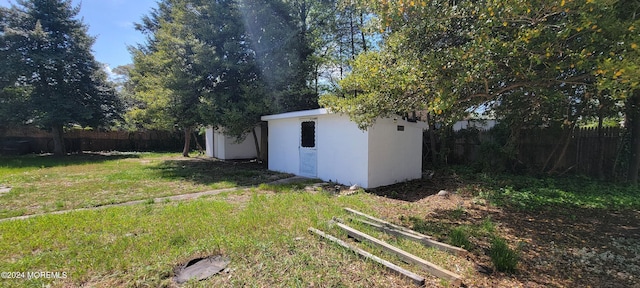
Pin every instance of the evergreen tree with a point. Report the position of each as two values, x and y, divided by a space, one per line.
278 35
169 71
222 63
52 77
197 69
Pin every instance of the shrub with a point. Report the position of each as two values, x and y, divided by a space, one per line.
488 226
458 237
504 258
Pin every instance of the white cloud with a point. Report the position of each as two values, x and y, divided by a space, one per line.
107 69
124 24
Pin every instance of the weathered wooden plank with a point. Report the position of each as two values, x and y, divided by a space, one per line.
417 279
385 223
406 256
424 241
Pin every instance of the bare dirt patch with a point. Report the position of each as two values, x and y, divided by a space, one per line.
558 246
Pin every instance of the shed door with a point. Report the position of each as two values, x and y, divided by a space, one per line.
308 149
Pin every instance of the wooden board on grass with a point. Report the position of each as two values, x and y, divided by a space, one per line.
404 232
406 256
415 278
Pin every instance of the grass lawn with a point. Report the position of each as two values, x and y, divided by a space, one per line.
45 183
264 235
562 233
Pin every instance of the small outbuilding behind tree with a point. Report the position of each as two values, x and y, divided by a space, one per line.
226 147
329 146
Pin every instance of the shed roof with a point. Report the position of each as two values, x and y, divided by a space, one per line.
296 114
324 111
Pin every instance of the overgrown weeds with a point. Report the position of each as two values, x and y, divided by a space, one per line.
531 193
504 258
458 237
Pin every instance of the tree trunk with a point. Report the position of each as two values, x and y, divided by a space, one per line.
264 143
255 141
364 39
201 151
341 62
600 166
634 125
58 140
432 139
187 142
316 76
353 38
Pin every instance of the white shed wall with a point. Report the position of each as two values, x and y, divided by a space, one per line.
345 154
223 147
283 145
342 150
218 145
209 142
394 156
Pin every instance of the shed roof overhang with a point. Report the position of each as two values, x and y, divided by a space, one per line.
325 111
296 114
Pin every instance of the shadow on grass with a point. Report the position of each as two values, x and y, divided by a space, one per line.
49 160
211 171
570 231
572 246
581 242
522 192
415 190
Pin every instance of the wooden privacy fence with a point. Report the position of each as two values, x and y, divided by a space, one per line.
28 140
587 151
582 150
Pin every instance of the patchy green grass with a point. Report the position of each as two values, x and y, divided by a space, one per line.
266 239
531 193
453 233
46 183
288 187
458 237
264 229
503 257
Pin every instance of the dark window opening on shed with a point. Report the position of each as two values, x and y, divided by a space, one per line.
309 134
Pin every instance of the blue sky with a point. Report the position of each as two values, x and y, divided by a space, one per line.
111 21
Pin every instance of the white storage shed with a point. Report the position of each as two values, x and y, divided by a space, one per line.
329 146
224 147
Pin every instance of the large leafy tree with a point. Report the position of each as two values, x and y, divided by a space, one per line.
121 80
169 77
532 63
619 72
236 92
222 63
197 68
340 31
50 78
